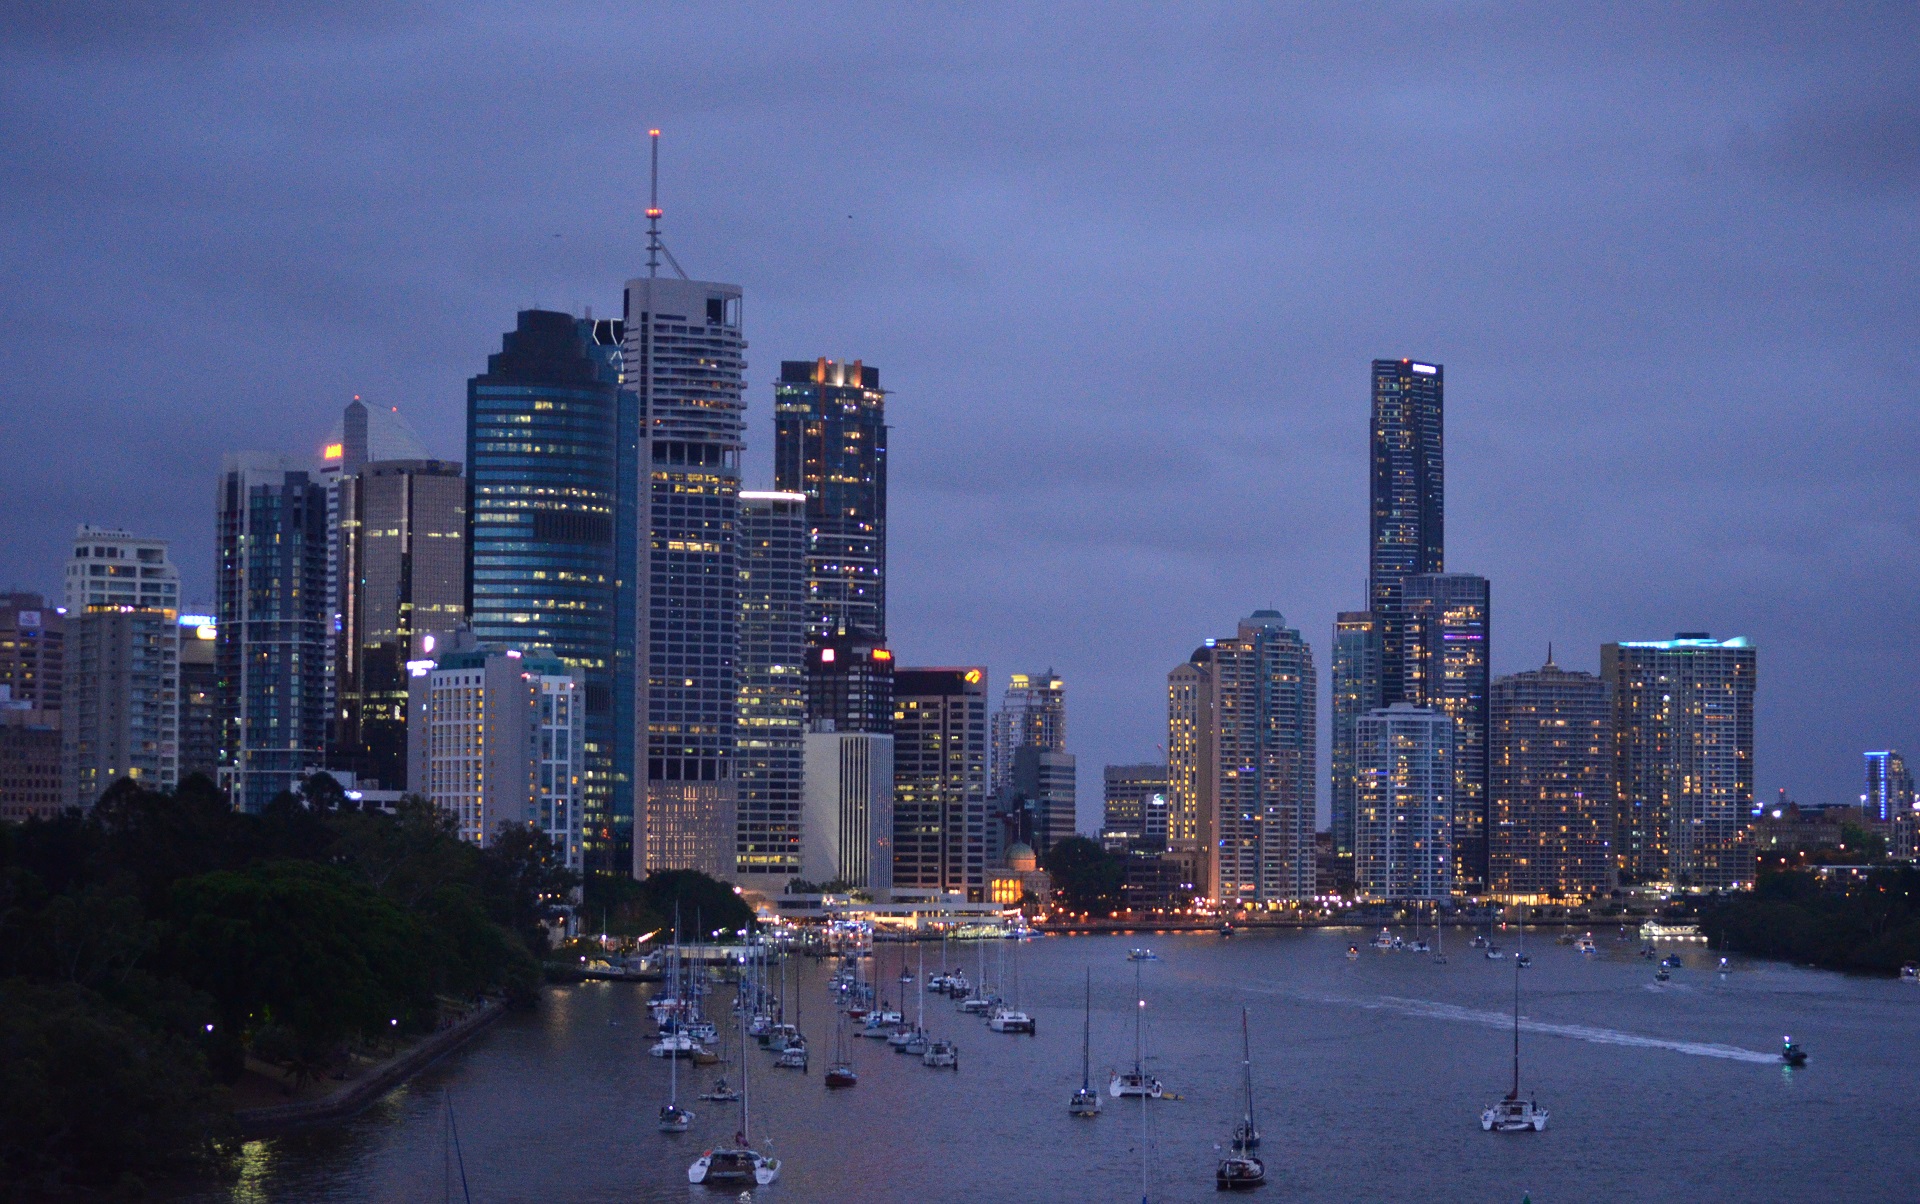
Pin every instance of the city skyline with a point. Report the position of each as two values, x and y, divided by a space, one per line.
1639 404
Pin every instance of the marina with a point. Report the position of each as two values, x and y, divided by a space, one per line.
561 1102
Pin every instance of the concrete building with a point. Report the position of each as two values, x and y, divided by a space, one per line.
1134 806
113 568
272 615
1032 714
770 713
32 690
551 539
32 783
1357 687
1550 787
199 697
121 714
1683 760
1889 793
849 819
683 355
830 444
1407 496
1403 807
497 739
1446 634
940 780
849 683
1045 796
1191 762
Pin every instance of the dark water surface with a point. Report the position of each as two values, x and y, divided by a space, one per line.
1370 1078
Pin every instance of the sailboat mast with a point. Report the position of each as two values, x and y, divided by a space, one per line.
1246 1064
1139 1010
1086 1038
1516 1028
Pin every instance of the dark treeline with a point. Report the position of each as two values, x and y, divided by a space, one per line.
1869 926
148 947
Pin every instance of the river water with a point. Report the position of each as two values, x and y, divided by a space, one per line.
1369 1075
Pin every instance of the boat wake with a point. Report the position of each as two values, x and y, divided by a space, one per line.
1431 1010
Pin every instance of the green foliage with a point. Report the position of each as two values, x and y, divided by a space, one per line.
615 904
1085 876
1872 925
705 903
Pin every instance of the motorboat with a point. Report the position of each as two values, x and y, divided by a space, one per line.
1353 953
1143 955
941 1055
1421 946
1524 961
1384 940
975 1006
674 1118
1910 974
1662 975
734 1167
1010 1020
721 1092
957 985
1792 1054
1585 944
1513 1114
1724 967
1086 1101
1494 954
794 1056
1671 961
1239 1172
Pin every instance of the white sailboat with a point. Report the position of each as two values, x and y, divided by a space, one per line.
1240 1170
1513 1114
1086 1101
674 1118
739 1164
1136 1082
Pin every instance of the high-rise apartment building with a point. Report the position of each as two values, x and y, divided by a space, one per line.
401 530
1403 806
1191 761
272 615
771 711
497 740
1033 713
1265 764
830 443
1889 793
684 357
118 569
32 689
1357 685
1134 806
1446 630
199 697
550 539
122 713
940 780
1549 787
1408 493
1683 759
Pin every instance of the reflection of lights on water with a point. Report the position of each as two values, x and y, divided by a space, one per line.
256 1167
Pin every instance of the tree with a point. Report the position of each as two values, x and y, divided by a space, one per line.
711 900
1085 876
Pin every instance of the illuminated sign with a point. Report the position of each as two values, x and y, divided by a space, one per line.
881 654
419 668
973 677
1426 369
826 656
333 451
206 631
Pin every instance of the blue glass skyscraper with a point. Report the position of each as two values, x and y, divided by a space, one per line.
545 425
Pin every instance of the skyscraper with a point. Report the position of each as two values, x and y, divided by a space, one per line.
1408 530
199 697
683 355
1033 712
544 548
1265 748
32 689
849 684
1446 628
1356 690
1683 759
272 617
402 569
1134 806
121 716
848 814
830 443
770 715
1191 761
940 780
1889 793
1550 787
1034 791
1403 805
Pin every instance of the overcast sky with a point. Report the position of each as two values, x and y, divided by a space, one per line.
1122 268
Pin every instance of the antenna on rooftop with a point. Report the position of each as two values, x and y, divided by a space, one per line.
656 248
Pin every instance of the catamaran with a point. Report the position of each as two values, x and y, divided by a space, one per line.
737 1165
1086 1101
1513 1114
1136 1082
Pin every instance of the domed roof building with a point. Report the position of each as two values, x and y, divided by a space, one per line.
1022 876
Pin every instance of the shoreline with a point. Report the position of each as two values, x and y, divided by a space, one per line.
356 1097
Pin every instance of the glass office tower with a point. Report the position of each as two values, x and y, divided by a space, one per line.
771 715
1446 630
1356 690
543 567
830 443
1408 493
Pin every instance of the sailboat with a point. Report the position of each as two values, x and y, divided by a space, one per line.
674 1118
1137 1081
1008 1018
793 1056
1240 1170
1086 1101
738 1164
841 1073
1513 1114
1439 937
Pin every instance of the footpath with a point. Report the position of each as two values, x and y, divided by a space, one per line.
355 1095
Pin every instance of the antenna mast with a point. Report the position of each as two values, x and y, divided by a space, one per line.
656 248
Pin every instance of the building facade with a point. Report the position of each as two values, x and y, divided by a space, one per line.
199 697
1191 762
1044 799
849 820
1357 687
272 614
849 684
940 780
1683 759
830 443
547 564
32 690
1550 787
683 355
1407 497
1134 806
1265 764
122 713
1032 714
1403 808
1889 793
1446 638
497 742
771 712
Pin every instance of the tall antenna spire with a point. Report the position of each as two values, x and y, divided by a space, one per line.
653 209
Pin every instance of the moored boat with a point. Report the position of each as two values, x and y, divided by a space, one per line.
1514 1114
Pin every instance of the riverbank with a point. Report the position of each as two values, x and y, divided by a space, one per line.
370 1083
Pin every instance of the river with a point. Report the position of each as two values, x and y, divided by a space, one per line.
1369 1075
